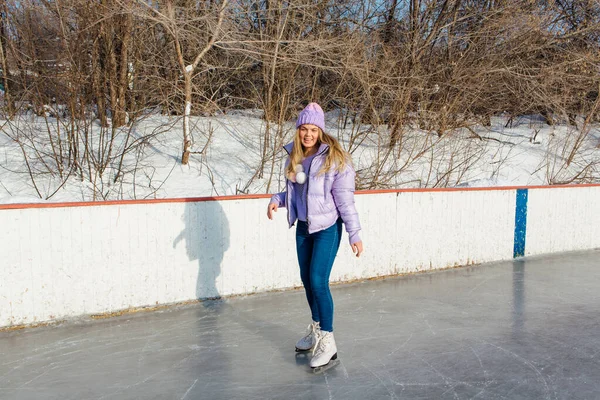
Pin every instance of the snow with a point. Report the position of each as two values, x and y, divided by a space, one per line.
227 151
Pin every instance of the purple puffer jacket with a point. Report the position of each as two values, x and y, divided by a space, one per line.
330 196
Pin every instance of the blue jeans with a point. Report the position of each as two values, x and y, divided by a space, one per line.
316 253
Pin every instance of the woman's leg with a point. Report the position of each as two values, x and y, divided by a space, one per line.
324 249
304 250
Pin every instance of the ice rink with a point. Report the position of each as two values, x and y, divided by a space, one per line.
523 329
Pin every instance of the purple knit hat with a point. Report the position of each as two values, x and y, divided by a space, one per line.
312 114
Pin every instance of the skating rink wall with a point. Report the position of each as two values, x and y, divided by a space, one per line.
61 261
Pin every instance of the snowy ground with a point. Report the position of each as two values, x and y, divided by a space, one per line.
228 154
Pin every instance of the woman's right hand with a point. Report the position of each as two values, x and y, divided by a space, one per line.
357 248
271 209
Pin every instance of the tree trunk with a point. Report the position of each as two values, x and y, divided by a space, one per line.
97 84
187 142
10 108
120 107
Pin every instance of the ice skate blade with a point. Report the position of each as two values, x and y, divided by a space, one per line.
303 351
324 368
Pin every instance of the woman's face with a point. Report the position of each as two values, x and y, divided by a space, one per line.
309 135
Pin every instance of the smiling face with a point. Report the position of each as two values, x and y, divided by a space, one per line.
309 136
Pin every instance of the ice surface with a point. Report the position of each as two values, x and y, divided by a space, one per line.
523 329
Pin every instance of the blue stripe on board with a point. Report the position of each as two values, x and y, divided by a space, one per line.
520 223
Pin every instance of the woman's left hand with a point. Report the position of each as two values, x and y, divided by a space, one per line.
357 248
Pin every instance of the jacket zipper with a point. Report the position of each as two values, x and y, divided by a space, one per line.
307 181
307 219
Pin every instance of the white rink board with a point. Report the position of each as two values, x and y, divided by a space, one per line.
70 261
563 219
415 231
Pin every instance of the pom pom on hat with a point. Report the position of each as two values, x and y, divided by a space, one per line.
312 114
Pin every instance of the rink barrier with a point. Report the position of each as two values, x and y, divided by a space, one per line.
64 260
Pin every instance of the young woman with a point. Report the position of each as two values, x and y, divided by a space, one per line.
320 196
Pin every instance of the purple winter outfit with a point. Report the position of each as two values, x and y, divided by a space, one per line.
329 196
319 206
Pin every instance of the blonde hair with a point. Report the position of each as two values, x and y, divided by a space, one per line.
336 156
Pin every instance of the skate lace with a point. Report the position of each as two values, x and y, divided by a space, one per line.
312 331
322 341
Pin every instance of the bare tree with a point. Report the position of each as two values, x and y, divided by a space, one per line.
4 64
405 77
182 24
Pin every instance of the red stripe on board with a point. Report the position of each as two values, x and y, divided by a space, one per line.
268 196
471 189
131 202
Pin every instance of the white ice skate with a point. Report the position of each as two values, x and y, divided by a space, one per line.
310 339
324 353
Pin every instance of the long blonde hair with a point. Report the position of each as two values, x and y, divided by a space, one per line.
336 156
